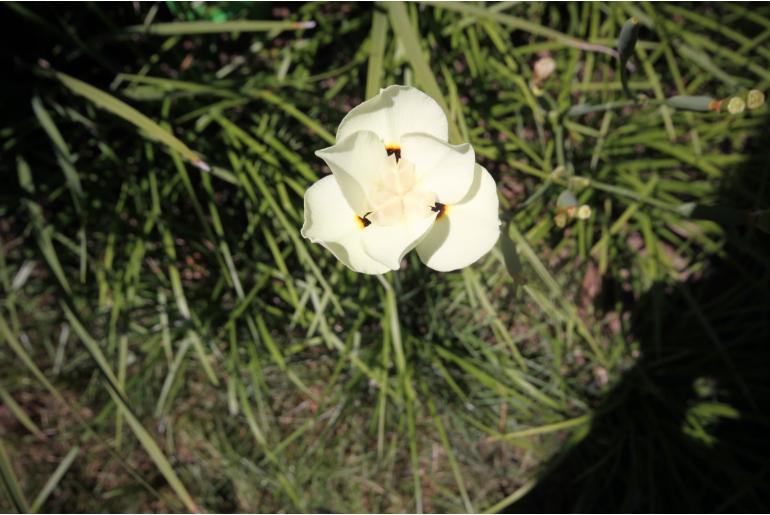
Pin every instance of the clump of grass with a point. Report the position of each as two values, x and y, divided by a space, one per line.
170 342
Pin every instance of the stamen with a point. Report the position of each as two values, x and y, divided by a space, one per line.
363 222
441 209
393 149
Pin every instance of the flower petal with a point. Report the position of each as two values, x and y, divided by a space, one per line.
330 221
446 170
395 111
467 230
389 244
357 163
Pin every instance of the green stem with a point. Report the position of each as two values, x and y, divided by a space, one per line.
581 109
391 308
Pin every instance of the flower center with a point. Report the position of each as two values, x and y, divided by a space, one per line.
399 195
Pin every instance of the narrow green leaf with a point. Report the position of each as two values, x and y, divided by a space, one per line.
211 27
18 349
512 498
53 481
450 455
377 41
42 232
203 357
164 84
11 483
173 372
131 115
50 127
406 32
471 10
19 413
93 348
118 396
155 453
413 453
693 103
292 110
547 428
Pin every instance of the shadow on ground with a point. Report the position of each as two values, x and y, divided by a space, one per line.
687 429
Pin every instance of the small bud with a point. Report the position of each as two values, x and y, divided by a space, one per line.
543 69
584 212
627 40
577 182
305 24
755 99
565 201
692 103
560 220
200 163
736 105
557 172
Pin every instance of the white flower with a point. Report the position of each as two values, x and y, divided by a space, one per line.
397 184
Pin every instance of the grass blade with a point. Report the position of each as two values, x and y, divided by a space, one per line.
20 414
11 483
405 31
292 110
50 485
512 498
63 153
450 456
118 396
210 27
131 115
376 51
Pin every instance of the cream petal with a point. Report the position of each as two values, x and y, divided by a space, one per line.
447 170
357 163
330 221
350 251
467 231
389 244
395 111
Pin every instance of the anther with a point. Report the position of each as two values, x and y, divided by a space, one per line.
394 150
439 208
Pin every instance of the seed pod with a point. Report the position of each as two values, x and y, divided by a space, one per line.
755 99
736 105
543 69
576 182
566 201
692 103
627 40
584 212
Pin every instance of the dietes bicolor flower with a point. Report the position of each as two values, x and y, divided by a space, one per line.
396 185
